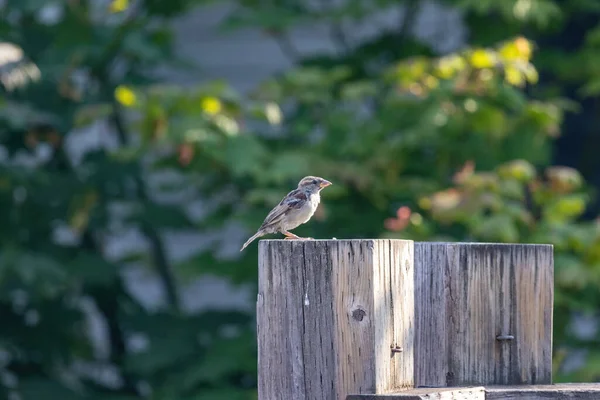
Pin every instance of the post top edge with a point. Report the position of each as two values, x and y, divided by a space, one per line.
332 240
486 244
467 244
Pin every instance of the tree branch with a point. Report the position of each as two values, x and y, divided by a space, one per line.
336 29
287 47
339 36
100 72
107 302
407 18
156 244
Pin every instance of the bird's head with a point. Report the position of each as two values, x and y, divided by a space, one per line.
313 183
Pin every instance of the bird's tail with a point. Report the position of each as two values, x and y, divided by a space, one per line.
256 235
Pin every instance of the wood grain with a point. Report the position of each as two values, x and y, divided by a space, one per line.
469 393
571 391
329 313
469 293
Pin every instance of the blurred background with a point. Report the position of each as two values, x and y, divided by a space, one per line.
142 141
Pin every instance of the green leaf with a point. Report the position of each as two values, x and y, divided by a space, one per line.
245 155
36 388
519 170
38 274
566 208
499 227
359 90
93 269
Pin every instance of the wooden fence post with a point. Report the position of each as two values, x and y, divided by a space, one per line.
483 314
335 317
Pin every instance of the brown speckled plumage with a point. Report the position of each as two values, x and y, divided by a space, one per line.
296 208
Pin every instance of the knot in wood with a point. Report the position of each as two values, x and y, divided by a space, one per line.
358 314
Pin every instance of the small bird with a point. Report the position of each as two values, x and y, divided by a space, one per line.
296 208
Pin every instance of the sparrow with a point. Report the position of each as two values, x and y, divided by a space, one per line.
296 208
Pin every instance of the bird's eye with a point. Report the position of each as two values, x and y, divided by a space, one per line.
314 181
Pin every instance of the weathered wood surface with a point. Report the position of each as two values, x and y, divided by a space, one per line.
467 295
470 393
329 313
578 391
571 391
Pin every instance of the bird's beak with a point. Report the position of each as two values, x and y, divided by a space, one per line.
324 184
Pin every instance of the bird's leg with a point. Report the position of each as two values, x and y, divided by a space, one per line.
290 235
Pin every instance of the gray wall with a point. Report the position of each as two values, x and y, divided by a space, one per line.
245 57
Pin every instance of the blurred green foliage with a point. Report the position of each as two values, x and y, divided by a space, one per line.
418 145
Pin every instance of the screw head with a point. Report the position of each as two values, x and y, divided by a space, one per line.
397 349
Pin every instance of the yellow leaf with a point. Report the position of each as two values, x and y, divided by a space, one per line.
570 206
525 47
211 105
531 74
425 203
117 6
444 70
510 52
482 59
519 49
125 96
520 170
448 66
513 76
418 67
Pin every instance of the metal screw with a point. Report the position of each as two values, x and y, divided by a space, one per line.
505 337
396 349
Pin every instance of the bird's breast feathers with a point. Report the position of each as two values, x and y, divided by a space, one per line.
307 212
302 212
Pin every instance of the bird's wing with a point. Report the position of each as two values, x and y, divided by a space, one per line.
295 199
